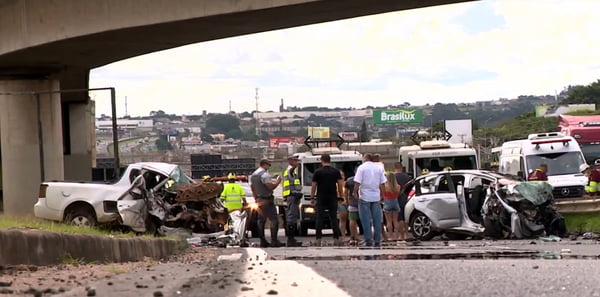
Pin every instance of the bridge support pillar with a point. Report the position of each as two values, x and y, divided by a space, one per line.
20 143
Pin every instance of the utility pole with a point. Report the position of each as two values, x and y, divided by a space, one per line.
229 105
126 106
257 117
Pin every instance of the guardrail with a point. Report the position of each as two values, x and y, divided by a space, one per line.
578 205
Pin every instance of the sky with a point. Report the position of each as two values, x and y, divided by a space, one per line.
464 52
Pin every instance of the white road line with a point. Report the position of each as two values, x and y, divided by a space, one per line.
287 278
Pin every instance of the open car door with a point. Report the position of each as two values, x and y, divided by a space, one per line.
436 198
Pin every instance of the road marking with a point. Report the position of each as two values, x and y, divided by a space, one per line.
287 278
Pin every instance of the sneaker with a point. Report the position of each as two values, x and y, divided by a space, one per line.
377 245
264 244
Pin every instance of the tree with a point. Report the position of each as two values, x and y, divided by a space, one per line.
364 133
223 123
162 143
589 94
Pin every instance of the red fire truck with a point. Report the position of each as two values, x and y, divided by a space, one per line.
586 130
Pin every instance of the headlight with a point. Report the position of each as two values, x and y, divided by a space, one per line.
254 206
309 210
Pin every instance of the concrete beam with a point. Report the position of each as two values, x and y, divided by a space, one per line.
50 36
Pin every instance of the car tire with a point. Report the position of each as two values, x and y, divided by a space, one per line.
303 229
81 216
420 227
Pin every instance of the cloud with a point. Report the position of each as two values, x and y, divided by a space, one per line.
453 53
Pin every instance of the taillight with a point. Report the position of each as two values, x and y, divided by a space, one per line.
43 188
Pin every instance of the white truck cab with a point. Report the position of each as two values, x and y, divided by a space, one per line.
437 155
346 161
561 153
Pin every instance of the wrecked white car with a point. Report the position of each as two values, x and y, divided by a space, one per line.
88 204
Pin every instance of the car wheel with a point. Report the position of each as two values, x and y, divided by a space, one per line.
421 227
81 217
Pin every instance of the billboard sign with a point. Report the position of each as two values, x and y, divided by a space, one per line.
279 142
349 136
397 116
319 132
461 131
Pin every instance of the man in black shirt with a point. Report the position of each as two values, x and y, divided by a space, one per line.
328 185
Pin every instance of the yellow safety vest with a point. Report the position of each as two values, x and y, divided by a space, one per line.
288 181
232 196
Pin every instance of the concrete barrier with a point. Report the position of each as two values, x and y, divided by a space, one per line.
36 247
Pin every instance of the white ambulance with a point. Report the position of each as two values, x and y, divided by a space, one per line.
561 153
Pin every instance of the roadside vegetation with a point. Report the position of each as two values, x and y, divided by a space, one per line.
38 224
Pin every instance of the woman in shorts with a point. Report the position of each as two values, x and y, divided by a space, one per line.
352 210
391 207
343 211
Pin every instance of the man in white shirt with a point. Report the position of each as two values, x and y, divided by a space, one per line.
369 182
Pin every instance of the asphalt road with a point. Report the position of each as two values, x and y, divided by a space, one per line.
438 268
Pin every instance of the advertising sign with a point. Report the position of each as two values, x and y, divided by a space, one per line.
349 136
318 132
397 116
461 130
278 142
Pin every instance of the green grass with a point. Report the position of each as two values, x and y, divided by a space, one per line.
582 222
38 224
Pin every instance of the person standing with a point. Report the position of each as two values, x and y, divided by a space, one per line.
402 179
292 193
342 210
327 184
352 210
540 174
262 185
234 199
391 206
369 184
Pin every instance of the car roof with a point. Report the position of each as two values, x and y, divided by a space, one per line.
160 167
457 172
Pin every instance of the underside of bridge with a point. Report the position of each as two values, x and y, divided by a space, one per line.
52 45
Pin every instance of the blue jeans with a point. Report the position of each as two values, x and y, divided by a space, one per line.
371 212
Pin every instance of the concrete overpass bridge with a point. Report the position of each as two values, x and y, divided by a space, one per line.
52 45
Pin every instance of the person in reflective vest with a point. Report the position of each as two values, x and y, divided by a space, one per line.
539 174
292 192
233 195
593 176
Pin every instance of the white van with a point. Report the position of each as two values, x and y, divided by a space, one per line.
561 153
436 155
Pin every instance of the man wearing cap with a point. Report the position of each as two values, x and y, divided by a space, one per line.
262 185
292 193
234 199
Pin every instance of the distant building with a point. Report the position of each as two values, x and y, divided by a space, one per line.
122 124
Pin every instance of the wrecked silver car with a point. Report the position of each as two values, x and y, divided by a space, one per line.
481 204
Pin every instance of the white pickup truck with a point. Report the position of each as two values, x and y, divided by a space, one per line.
89 204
